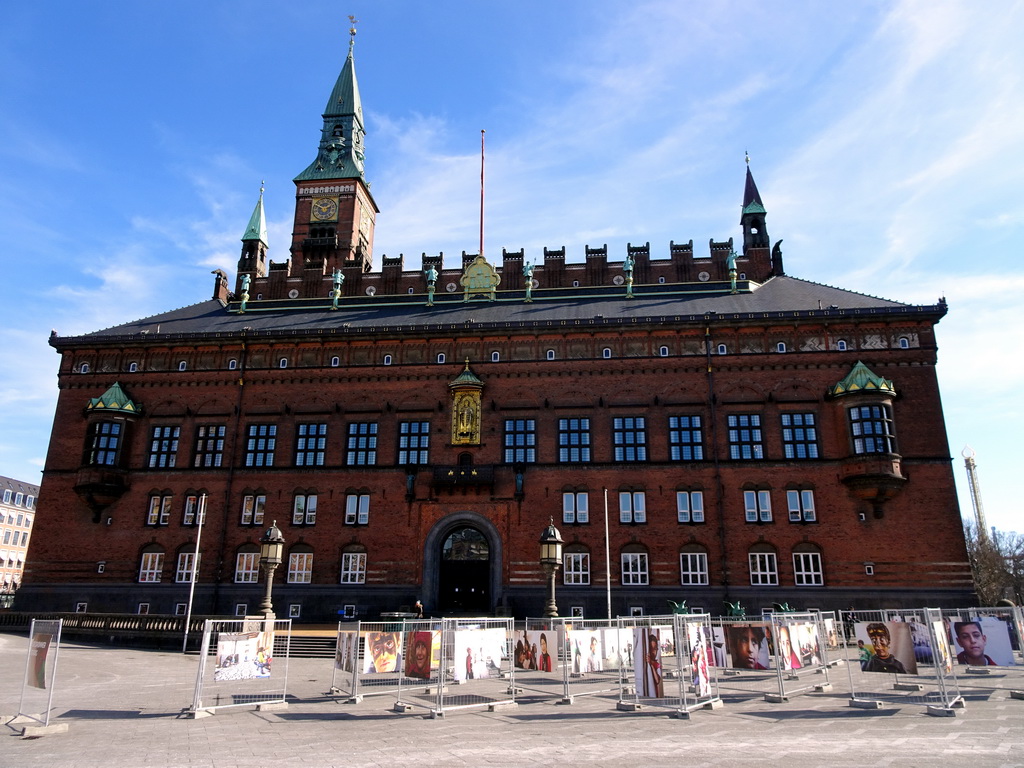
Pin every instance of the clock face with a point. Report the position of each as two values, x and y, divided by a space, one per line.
325 209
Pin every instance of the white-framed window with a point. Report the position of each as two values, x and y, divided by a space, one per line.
335 361
495 357
180 609
247 568
133 367
295 609
159 510
693 568
182 366
550 354
632 507
575 568
304 509
634 568
183 571
83 368
241 609
663 351
757 506
575 507
300 567
723 349
764 569
780 347
387 359
151 567
440 358
8 495
194 511
232 364
282 363
143 609
81 607
801 506
904 342
869 569
606 353
357 509
253 506
841 345
353 568
807 569
690 506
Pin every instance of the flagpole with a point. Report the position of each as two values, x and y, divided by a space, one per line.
607 557
481 192
195 569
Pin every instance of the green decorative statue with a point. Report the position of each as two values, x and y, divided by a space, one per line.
528 280
782 608
735 610
678 607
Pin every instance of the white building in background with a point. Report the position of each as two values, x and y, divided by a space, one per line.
17 512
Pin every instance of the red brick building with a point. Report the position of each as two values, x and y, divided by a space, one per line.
760 438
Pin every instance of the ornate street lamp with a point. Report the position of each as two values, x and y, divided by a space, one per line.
271 550
551 560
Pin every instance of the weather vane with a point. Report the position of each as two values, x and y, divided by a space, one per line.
353 21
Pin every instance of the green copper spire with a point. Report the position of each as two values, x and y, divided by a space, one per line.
114 399
340 155
861 379
257 229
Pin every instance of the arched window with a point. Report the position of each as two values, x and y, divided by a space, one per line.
495 357
663 351
693 565
440 358
282 363
300 564
83 368
151 564
551 354
133 367
247 564
904 342
780 347
335 361
353 565
764 566
232 364
841 345
722 349
182 366
606 353
634 566
808 570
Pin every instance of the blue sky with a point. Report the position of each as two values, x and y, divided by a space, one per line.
886 139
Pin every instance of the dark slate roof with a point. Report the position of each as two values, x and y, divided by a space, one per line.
779 296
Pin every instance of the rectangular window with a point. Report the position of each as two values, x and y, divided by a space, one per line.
520 441
252 509
807 570
8 493
195 510
353 568
575 507
310 445
19 499
361 448
801 506
413 443
632 507
871 427
241 609
757 506
163 447
685 438
103 444
151 567
304 509
300 567
209 445
764 569
573 440
159 510
183 573
247 568
745 439
693 568
690 506
634 568
357 509
630 437
799 436
260 443
575 568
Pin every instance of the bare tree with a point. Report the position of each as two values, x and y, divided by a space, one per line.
997 562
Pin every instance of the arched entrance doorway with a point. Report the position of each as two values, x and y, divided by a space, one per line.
464 572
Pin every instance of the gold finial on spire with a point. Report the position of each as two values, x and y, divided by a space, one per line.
263 183
353 21
746 156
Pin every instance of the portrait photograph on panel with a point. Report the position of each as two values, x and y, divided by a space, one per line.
419 651
886 646
594 660
788 657
983 641
382 652
699 675
648 671
347 651
749 646
807 643
941 652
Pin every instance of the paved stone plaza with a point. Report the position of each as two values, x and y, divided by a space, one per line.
125 707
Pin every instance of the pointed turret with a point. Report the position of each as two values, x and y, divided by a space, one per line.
340 155
253 260
755 234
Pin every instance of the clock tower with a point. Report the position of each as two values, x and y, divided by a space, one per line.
334 210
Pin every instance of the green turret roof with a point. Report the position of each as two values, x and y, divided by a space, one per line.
340 155
114 399
257 229
861 379
466 378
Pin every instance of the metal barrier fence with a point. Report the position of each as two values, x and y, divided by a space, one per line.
476 665
248 668
903 657
799 654
743 652
40 672
987 649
